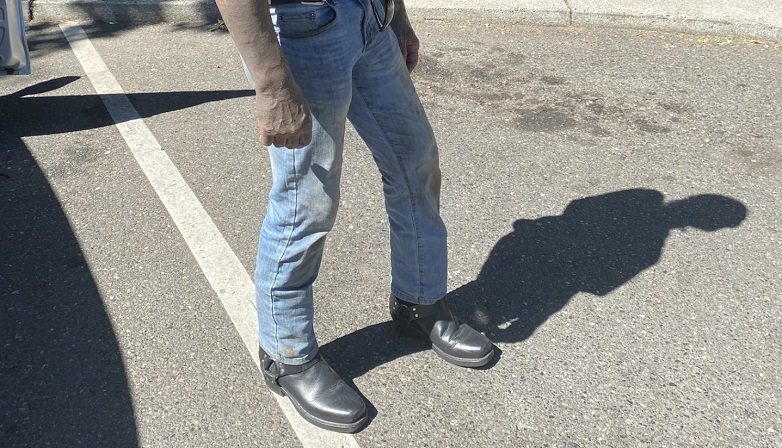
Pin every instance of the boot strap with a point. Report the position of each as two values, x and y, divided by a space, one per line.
412 311
282 369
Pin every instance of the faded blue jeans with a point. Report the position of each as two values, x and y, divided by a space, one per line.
347 68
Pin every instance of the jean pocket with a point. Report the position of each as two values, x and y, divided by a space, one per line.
299 21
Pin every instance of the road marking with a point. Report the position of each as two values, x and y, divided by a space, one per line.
217 260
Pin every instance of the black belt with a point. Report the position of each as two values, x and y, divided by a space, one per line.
284 2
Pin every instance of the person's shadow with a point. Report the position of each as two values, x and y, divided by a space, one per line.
598 244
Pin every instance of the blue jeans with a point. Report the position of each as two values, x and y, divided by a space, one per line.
347 68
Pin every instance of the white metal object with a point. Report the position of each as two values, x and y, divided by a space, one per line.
14 55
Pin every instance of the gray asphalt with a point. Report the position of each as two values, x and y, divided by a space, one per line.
613 203
753 18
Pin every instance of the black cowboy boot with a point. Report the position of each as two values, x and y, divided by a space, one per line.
453 340
317 392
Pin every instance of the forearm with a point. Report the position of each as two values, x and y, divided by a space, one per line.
401 23
399 9
250 26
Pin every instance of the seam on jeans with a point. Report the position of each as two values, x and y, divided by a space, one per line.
284 251
410 195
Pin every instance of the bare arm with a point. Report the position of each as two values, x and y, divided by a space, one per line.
281 108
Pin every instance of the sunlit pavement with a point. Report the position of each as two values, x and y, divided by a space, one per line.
613 204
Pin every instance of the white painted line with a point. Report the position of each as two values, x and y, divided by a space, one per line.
220 265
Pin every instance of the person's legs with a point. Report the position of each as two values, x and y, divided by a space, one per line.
388 115
304 195
321 44
386 112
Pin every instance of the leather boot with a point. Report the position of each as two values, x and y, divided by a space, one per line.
317 392
453 340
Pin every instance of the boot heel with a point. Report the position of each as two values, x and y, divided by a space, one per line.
272 385
406 328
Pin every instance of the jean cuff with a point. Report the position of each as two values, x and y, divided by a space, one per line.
294 361
413 299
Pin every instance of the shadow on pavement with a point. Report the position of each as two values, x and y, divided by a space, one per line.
62 378
46 115
598 244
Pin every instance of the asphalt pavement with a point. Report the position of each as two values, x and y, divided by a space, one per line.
748 18
613 201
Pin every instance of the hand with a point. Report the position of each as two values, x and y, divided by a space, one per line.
280 106
283 114
405 36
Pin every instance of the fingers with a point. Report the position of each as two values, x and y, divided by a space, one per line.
412 53
266 140
281 141
409 46
305 139
411 58
298 140
403 49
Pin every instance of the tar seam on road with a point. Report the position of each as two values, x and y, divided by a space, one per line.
219 263
569 13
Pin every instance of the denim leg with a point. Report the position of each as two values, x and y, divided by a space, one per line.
302 209
386 112
304 195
